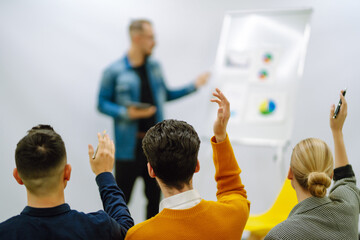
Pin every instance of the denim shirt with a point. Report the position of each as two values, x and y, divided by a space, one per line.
120 87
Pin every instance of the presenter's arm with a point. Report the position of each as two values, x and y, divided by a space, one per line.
227 171
108 106
106 98
111 195
173 94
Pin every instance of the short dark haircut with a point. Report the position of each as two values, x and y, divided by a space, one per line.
39 152
172 148
137 25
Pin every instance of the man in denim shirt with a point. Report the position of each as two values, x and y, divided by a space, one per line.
133 92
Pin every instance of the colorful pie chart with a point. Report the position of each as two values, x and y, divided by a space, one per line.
267 107
267 58
263 74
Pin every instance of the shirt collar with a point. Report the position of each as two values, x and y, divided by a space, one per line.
46 212
309 204
182 200
128 64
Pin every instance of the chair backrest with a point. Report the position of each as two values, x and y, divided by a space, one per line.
285 201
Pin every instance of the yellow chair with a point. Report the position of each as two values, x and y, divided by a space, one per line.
260 224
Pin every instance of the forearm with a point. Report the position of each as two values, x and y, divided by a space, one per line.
112 109
113 200
227 171
178 93
341 158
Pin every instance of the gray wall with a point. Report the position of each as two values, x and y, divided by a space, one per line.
52 54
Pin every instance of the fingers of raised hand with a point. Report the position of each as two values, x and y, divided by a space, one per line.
90 151
343 101
332 110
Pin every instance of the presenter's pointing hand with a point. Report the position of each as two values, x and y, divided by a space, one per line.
202 79
223 115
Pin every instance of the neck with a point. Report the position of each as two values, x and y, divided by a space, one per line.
301 193
168 191
136 57
49 200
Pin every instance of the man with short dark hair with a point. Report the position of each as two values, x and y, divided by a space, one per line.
133 93
41 165
171 148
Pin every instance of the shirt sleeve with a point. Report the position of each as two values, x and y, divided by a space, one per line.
106 98
172 94
114 204
344 187
343 172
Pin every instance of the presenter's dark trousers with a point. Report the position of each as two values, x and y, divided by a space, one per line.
126 172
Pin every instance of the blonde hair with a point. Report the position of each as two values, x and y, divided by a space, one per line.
312 165
137 26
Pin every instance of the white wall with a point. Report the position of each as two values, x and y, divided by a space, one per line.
52 54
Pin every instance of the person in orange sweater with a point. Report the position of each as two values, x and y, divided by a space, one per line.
171 148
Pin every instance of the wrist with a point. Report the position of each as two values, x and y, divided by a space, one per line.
220 137
100 172
336 131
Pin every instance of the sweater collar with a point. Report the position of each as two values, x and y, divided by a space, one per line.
46 212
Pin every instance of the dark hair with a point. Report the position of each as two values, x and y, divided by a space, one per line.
172 147
39 152
137 25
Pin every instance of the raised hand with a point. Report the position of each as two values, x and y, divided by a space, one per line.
105 155
223 115
336 124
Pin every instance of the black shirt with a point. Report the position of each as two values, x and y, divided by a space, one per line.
145 97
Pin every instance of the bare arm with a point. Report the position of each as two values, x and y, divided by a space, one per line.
336 125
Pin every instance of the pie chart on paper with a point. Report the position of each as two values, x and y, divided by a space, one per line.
267 107
263 74
267 58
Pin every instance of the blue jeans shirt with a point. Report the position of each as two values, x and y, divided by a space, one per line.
120 86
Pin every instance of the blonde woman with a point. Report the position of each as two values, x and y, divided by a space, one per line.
318 216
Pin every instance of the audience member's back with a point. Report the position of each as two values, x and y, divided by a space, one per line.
318 216
171 148
41 166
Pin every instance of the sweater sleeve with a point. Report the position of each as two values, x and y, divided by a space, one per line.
227 171
114 204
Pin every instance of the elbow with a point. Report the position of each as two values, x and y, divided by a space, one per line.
100 105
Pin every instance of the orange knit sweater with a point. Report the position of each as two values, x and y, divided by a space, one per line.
224 219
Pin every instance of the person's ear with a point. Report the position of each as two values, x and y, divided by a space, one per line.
67 172
151 171
17 176
290 175
197 168
332 175
135 38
